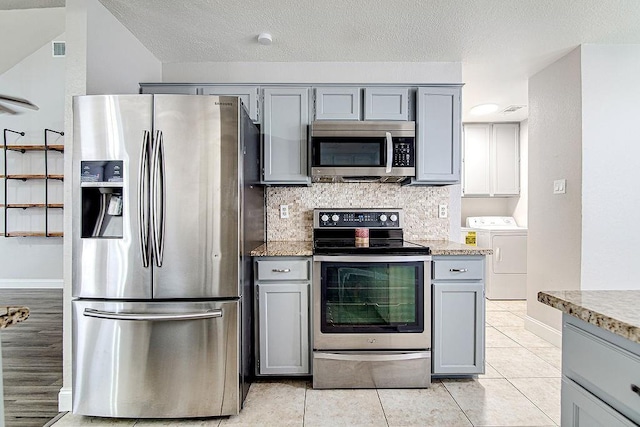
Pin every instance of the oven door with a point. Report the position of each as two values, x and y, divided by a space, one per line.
371 302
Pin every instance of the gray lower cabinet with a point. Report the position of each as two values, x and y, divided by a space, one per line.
285 132
282 316
458 340
438 130
600 376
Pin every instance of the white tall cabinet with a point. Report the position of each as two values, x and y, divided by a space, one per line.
491 159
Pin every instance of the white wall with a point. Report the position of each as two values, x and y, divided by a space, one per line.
33 261
313 72
116 60
518 206
24 31
555 152
611 176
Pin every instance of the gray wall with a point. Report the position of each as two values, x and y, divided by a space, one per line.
555 152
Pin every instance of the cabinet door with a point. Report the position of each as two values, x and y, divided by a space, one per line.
506 159
386 103
285 124
582 409
284 328
476 177
458 328
169 89
438 135
337 103
248 95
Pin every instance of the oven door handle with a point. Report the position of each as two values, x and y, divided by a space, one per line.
371 357
371 258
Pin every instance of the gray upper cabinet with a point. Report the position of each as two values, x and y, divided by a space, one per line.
248 95
386 103
438 135
337 103
285 128
160 88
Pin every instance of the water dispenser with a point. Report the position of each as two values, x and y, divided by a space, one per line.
102 199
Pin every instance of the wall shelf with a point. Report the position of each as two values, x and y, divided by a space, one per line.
7 206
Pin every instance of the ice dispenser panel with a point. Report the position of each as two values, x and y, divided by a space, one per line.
102 199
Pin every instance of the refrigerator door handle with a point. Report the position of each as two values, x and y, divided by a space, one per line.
157 198
210 314
143 206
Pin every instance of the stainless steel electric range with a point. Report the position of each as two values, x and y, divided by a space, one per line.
371 302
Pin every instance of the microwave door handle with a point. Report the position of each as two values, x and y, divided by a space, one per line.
389 151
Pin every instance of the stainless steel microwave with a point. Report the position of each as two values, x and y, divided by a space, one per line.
362 151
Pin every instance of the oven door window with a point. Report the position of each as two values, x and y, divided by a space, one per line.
364 297
354 152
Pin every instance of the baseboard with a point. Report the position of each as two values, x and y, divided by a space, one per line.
544 331
64 399
31 283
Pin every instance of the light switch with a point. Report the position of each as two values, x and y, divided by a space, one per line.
560 186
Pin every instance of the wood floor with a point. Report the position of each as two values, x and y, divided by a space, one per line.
32 358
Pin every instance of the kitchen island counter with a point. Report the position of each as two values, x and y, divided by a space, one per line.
305 248
614 311
12 315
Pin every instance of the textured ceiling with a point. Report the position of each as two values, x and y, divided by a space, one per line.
500 42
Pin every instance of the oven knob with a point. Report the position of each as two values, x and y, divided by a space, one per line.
393 218
324 218
383 217
335 218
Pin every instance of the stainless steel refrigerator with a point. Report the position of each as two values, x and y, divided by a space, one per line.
166 208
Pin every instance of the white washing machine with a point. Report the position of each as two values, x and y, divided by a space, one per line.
506 276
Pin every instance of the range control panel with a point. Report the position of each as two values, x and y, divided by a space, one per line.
350 218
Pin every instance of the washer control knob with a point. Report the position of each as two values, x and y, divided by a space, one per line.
324 218
335 218
393 218
383 217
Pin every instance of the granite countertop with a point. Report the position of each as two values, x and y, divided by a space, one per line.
614 311
305 248
12 315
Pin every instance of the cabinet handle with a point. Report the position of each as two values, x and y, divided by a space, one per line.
281 270
458 270
635 389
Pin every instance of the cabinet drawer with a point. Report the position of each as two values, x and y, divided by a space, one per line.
603 368
458 270
283 270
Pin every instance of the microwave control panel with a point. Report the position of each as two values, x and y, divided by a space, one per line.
403 153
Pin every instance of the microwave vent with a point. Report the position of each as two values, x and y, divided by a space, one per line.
512 109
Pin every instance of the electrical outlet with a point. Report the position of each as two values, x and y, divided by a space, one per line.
443 211
284 211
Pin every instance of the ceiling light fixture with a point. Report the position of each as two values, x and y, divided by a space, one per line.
264 39
482 109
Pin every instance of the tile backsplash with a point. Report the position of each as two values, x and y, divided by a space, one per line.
420 206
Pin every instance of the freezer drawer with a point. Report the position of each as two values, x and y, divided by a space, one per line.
181 360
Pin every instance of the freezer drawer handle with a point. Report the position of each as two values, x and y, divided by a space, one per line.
281 270
89 312
359 357
458 270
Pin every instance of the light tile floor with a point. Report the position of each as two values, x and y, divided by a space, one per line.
520 387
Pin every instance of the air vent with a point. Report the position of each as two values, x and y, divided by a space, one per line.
58 49
512 109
